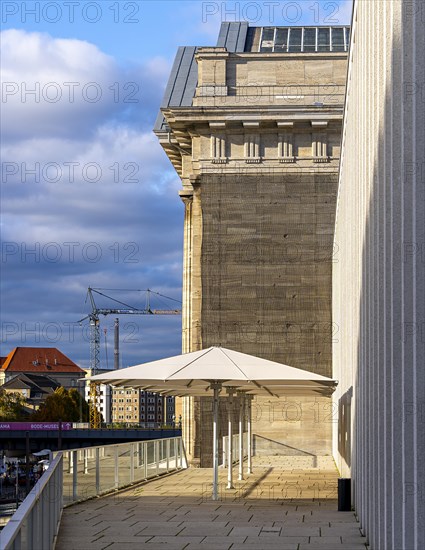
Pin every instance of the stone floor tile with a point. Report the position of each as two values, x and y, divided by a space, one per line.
325 540
291 540
304 530
244 530
199 528
158 528
165 541
329 546
342 529
265 545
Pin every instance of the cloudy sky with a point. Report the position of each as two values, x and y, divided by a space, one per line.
88 198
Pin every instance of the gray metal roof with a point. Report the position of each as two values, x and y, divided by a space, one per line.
238 37
183 79
233 36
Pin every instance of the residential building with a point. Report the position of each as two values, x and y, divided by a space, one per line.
49 362
34 387
105 395
133 405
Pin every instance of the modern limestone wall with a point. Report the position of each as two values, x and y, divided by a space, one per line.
379 279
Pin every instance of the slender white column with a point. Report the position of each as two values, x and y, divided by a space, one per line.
249 436
241 413
216 387
230 391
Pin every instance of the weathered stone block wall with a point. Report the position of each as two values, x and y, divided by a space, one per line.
266 290
266 265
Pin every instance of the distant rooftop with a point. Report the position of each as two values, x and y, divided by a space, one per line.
39 360
239 37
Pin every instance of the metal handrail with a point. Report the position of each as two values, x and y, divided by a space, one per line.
235 448
35 524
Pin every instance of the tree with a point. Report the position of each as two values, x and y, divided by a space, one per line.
62 405
12 407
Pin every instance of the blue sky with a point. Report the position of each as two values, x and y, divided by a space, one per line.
88 198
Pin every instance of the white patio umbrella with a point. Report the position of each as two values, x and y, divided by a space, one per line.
208 371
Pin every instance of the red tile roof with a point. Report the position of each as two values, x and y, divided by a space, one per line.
39 360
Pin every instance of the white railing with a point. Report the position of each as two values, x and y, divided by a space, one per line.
235 448
35 523
81 474
99 470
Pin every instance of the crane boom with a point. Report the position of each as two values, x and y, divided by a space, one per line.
94 322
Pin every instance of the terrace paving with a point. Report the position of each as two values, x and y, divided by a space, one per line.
286 503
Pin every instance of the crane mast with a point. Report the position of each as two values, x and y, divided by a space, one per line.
94 322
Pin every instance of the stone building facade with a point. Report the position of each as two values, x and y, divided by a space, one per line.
253 128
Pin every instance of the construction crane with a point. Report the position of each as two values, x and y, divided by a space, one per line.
94 322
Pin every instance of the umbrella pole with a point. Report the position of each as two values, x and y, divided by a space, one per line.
216 387
241 411
230 445
249 437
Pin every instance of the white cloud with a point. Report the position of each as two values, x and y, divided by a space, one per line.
134 201
63 87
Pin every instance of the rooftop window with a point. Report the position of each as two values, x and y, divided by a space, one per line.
304 39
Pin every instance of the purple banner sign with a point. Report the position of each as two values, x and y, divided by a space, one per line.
34 426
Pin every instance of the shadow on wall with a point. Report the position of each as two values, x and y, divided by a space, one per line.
344 425
265 446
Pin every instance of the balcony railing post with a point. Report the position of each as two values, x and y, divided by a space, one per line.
74 476
131 462
117 481
97 455
86 461
156 451
167 443
145 458
30 530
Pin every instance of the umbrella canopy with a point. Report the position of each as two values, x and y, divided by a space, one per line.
208 372
193 374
